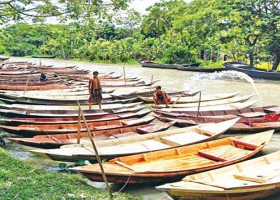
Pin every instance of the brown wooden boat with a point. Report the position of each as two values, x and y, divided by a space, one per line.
244 112
65 113
136 144
37 129
33 87
243 124
253 179
73 120
54 141
229 106
173 164
56 108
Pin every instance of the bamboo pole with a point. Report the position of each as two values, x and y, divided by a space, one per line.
181 95
79 126
199 101
151 83
27 81
96 152
124 76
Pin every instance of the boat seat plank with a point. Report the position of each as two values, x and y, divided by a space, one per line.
261 174
183 138
226 183
244 144
223 153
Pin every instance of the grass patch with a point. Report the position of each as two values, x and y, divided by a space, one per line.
19 180
209 64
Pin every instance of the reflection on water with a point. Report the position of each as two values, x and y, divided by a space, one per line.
170 80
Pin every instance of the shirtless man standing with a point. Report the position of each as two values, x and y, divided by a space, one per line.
95 90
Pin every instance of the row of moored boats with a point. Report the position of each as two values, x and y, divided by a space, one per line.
143 144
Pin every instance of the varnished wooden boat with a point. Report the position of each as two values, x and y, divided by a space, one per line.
73 120
195 98
173 164
229 106
257 178
244 112
209 103
140 143
54 141
243 125
38 129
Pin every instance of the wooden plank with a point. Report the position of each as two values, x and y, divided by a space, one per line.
183 138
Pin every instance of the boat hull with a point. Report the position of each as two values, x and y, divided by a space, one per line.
255 193
271 75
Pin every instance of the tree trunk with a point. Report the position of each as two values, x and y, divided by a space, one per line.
276 62
251 57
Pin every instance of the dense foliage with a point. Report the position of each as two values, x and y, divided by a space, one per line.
173 31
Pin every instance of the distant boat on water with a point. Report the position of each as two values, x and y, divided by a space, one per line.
253 72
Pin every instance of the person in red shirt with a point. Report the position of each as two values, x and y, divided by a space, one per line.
95 90
160 97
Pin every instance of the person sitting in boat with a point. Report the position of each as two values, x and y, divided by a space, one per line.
95 90
148 60
43 77
160 97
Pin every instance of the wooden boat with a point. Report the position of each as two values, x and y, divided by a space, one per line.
33 87
13 72
173 164
244 112
195 98
257 178
43 56
30 83
55 108
25 100
73 120
148 91
253 72
38 129
209 103
54 141
157 65
244 124
139 143
199 68
55 92
229 106
3 58
65 113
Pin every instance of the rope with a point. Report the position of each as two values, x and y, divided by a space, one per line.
227 197
125 184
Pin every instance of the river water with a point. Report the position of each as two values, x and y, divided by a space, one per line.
170 80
